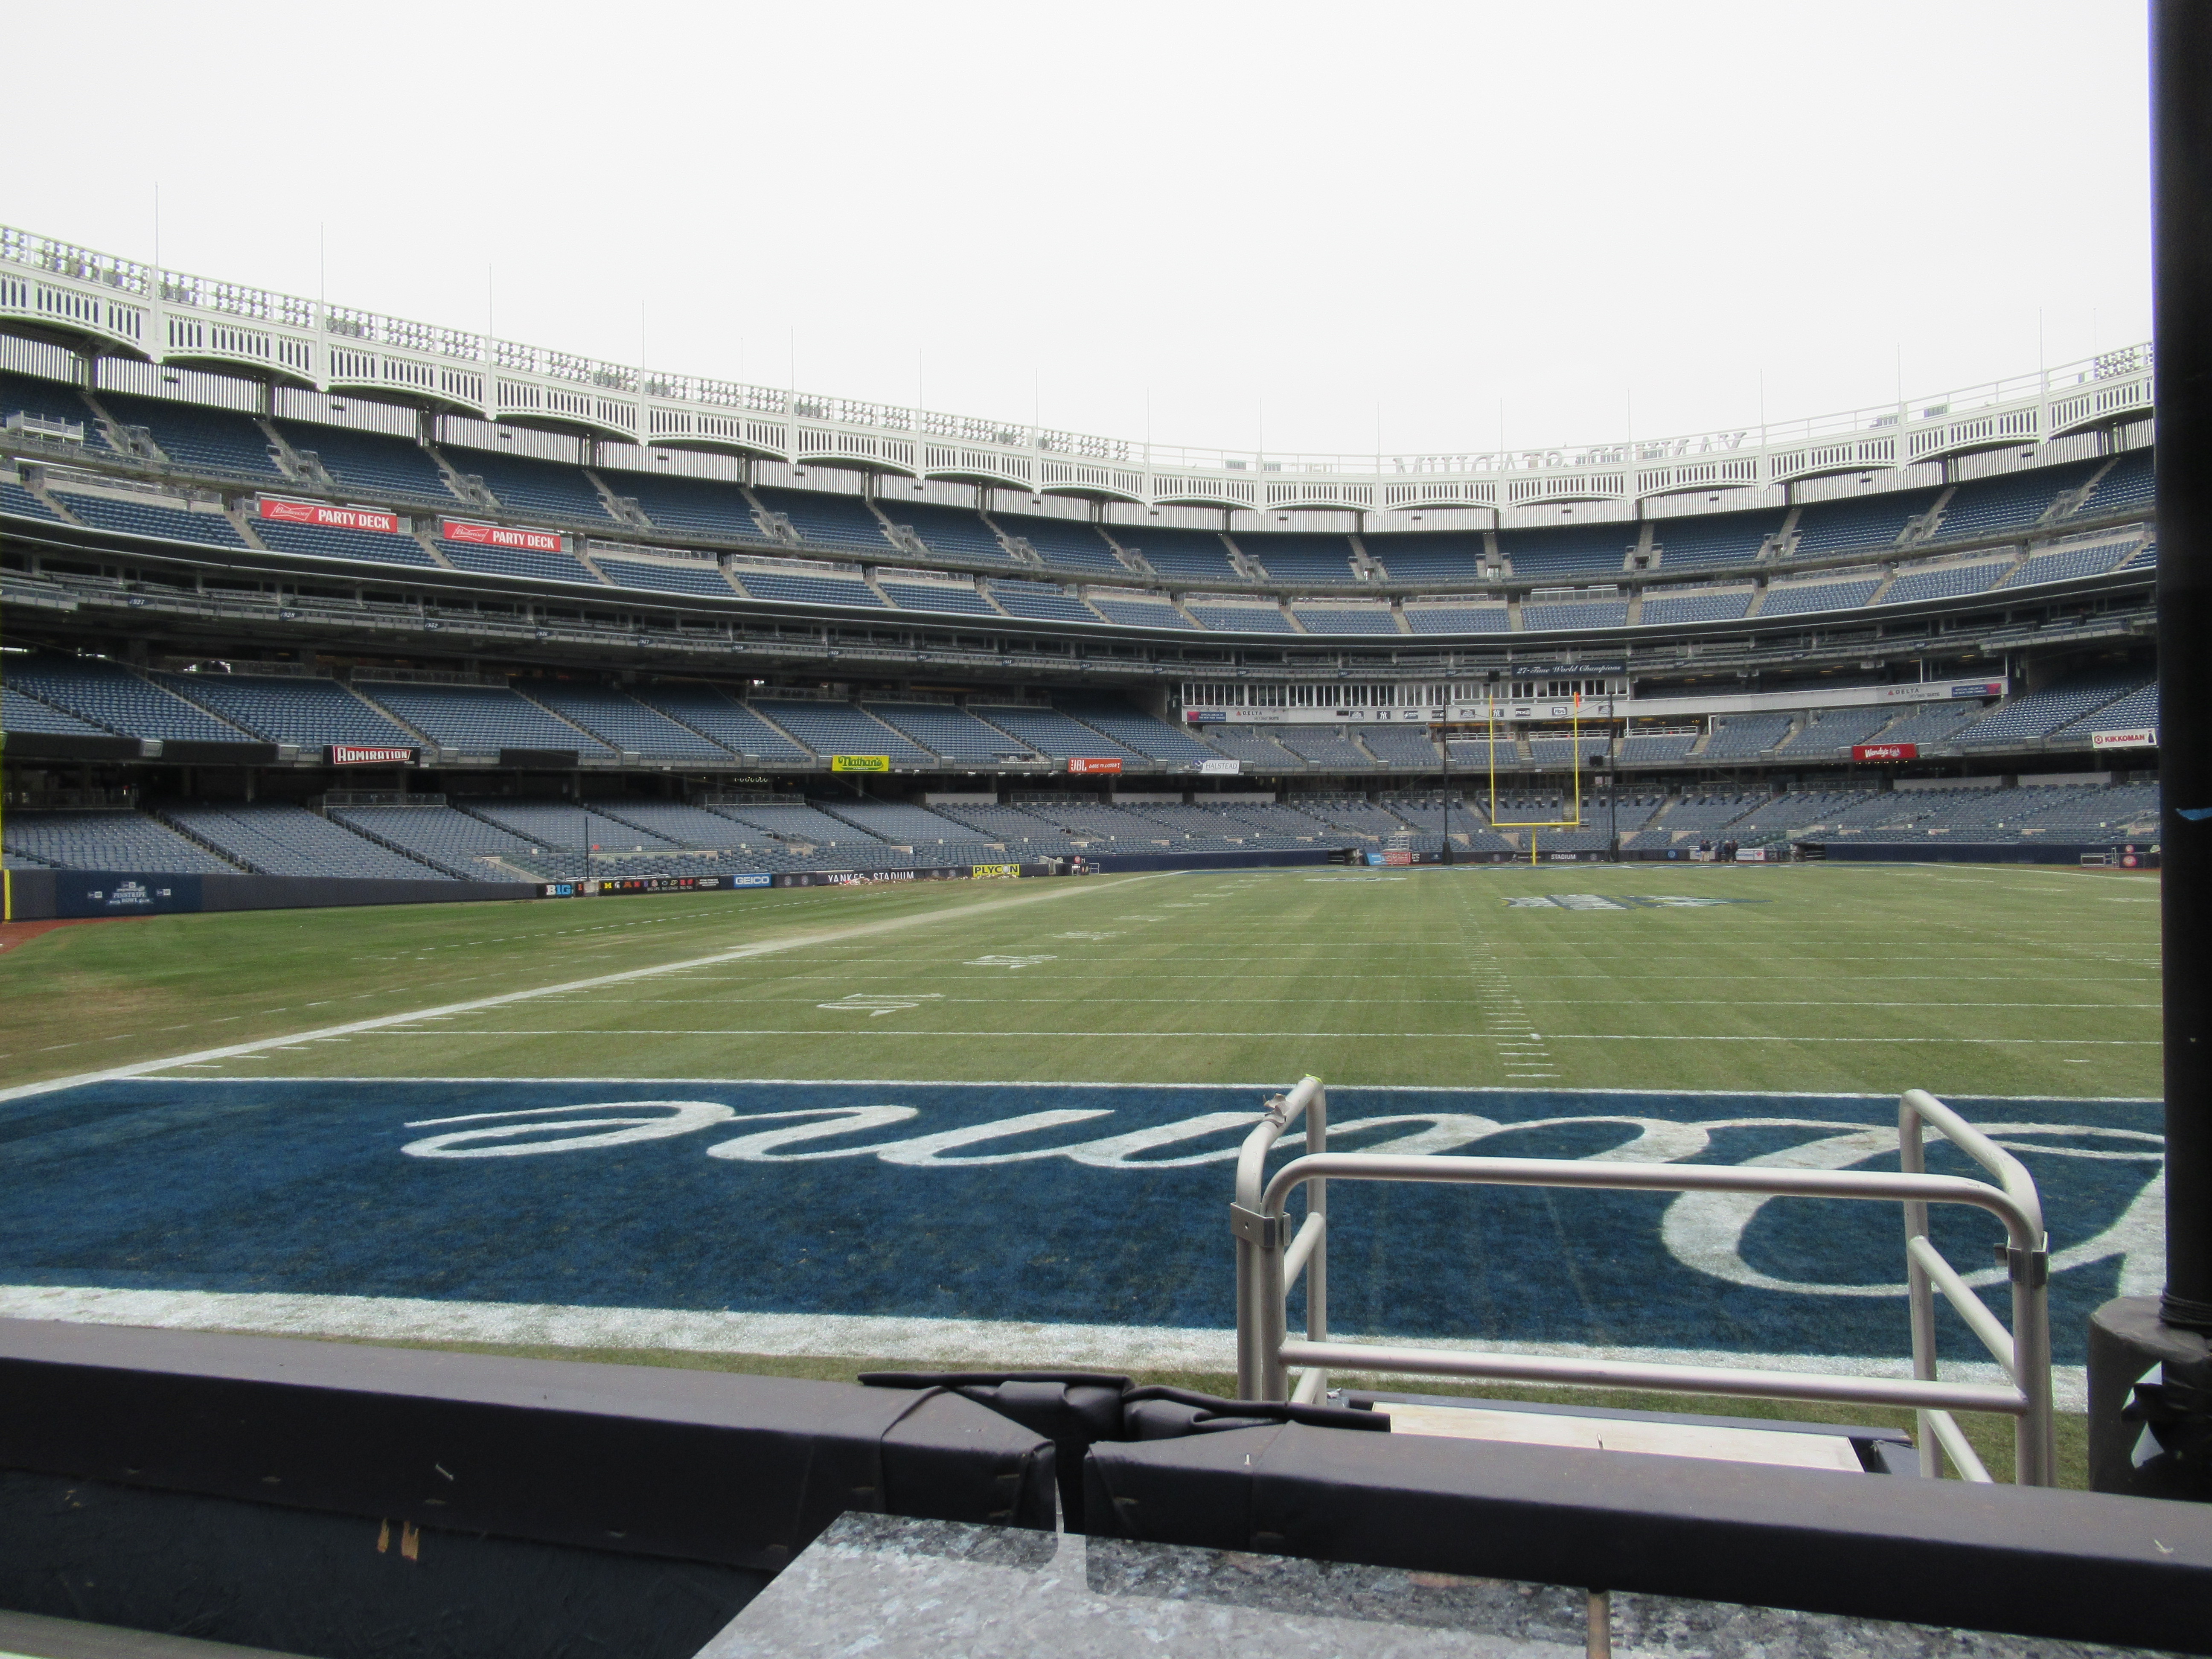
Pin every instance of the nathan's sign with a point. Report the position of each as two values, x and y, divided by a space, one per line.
2136 737
859 763
1885 751
321 515
494 535
1093 763
360 753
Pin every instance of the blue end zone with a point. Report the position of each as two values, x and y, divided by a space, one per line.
1035 1202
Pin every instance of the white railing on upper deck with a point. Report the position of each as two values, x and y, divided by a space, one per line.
173 316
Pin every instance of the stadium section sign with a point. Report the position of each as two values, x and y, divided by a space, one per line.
1885 751
360 753
1092 764
492 535
2139 737
322 516
859 763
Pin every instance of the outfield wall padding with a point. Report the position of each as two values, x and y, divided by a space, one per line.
1983 852
46 895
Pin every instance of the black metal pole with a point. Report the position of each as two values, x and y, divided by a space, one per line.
1446 730
2154 1445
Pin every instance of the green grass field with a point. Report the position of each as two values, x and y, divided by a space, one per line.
1870 978
1836 979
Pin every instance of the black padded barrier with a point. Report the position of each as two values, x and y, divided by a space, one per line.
2071 1565
262 1491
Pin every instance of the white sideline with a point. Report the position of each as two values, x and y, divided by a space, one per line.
204 1056
996 1343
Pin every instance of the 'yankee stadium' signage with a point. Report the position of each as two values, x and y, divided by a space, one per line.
361 754
322 516
492 535
1885 751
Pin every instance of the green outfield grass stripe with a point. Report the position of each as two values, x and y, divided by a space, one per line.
1052 890
385 1029
1000 1344
1417 1002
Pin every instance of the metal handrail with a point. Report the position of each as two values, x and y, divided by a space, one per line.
1270 1260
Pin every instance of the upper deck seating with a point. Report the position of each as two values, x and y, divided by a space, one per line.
1062 542
1717 538
1253 746
1133 729
2045 710
1134 610
374 463
1792 599
1832 732
311 713
953 732
1293 556
2014 501
148 516
116 839
219 441
1943 581
1197 553
1040 602
1929 725
2137 709
2068 564
944 597
1055 734
1399 745
701 507
839 728
1429 555
703 578
1370 618
1647 746
526 486
1330 748
825 521
1553 749
2131 487
51 402
1697 604
328 542
1459 618
822 585
1570 550
479 719
951 532
1736 736
1862 523
18 502
110 695
540 566
1544 617
1234 618
625 724
731 724
290 841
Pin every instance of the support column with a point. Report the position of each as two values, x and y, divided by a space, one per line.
2155 1438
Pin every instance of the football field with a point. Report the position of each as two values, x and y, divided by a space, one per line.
991 1121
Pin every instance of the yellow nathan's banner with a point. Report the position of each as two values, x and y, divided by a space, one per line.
995 871
859 763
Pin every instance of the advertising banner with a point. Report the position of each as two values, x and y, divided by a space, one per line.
492 535
1091 763
113 893
322 516
859 763
2140 737
995 871
1885 751
362 754
1221 768
1978 688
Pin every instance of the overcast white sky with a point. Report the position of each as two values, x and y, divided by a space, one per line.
1296 213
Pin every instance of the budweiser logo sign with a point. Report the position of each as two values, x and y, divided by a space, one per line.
492 535
357 754
322 516
1885 751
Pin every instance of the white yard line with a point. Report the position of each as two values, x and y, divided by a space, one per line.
241 1050
955 1342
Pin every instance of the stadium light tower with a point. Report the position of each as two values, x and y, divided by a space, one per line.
2154 1439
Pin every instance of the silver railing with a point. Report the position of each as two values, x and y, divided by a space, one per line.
1271 1258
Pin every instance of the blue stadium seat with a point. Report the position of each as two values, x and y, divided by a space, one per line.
516 561
22 712
1233 618
2138 708
327 541
525 486
703 577
1198 553
1943 581
114 839
1373 618
1423 555
1737 737
728 723
2037 713
1459 618
942 597
1794 598
1327 748
625 724
52 401
16 502
311 713
110 695
1570 550
290 841
1131 611
821 587
949 531
478 720
373 463
1133 729
1293 557
1696 605
697 505
149 517
1050 733
1714 538
1863 523
2015 501
2131 487
1544 617
2069 564
825 521
950 731
1040 602
218 441
1061 543
839 728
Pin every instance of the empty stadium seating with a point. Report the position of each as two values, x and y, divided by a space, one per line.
1548 617
697 506
951 733
1138 732
1792 599
455 841
148 515
1055 734
1293 558
2139 709
539 565
839 728
18 502
52 404
731 725
214 442
625 724
1178 552
1061 543
1399 745
665 577
118 839
1235 618
1834 732
1736 735
373 463
1697 604
20 712
1458 618
1720 538
820 586
1429 555
1995 507
1639 747
113 697
1373 618
479 719
1928 725
942 597
1252 747
294 710
1866 523
2068 564
526 487
1569 549
1942 581
1326 748
826 520
2046 709
326 542
290 841
1134 610
2131 486
1040 602
947 531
